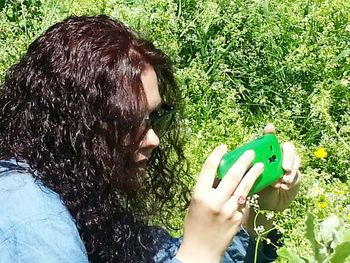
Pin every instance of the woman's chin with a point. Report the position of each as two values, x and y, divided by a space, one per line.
134 180
131 184
139 168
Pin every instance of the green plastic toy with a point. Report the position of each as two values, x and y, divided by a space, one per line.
268 151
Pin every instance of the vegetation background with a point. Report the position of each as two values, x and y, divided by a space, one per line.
240 65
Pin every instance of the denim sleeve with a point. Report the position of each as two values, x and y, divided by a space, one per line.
48 239
241 250
169 247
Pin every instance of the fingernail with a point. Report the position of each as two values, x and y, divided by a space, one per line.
260 166
284 187
222 147
287 179
250 153
287 166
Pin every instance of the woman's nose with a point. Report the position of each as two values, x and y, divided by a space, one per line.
151 140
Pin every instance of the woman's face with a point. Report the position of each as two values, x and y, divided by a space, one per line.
150 140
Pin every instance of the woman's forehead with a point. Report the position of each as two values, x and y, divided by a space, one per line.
150 86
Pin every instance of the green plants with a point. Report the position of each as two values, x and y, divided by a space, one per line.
329 240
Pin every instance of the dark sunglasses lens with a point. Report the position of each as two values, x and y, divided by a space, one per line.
161 124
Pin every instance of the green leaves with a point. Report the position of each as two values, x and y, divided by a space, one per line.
311 236
341 252
329 240
2 4
343 54
289 255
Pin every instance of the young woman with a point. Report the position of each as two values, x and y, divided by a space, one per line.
90 153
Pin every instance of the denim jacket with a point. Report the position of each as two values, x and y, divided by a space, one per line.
241 250
35 226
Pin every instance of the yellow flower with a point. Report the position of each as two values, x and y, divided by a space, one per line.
339 192
348 216
321 153
322 204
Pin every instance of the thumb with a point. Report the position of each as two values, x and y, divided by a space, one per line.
269 128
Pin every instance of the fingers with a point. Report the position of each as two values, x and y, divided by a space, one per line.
244 187
225 195
234 175
288 151
208 172
269 128
292 178
289 177
249 179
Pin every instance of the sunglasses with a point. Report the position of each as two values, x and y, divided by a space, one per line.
161 119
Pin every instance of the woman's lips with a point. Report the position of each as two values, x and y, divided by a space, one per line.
140 166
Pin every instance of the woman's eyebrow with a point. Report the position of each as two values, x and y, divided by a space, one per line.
158 106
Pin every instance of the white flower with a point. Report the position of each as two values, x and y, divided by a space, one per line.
259 229
253 202
269 215
316 190
344 82
323 251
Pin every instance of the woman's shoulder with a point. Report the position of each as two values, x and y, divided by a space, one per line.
24 197
32 215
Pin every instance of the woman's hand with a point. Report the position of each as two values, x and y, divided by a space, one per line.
278 196
215 214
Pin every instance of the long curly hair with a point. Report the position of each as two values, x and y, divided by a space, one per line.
66 108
